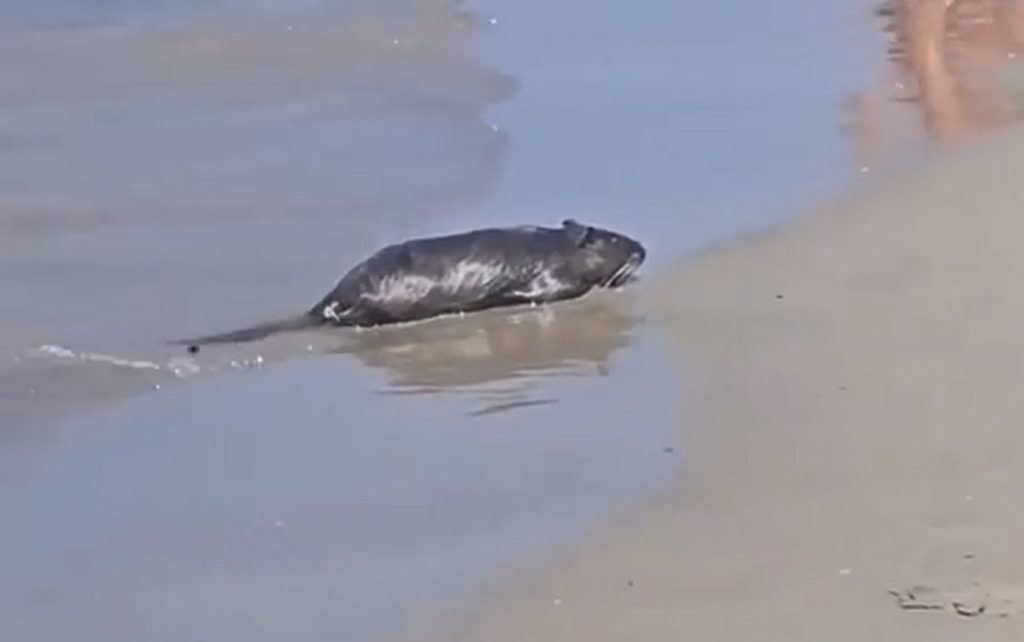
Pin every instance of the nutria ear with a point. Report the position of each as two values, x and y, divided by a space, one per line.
577 232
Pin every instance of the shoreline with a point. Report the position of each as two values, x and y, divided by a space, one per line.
547 167
856 434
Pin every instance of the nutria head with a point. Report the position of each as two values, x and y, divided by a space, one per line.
607 259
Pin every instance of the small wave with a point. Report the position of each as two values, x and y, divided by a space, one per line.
60 351
178 366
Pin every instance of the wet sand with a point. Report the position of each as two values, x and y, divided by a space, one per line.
856 380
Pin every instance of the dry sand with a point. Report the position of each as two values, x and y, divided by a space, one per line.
857 387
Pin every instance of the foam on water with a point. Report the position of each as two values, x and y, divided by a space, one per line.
95 357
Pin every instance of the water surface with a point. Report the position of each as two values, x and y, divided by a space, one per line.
172 169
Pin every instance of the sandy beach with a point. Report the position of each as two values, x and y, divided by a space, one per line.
856 380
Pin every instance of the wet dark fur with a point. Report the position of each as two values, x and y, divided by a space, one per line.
464 272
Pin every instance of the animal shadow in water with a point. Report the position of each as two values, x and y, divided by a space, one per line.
497 355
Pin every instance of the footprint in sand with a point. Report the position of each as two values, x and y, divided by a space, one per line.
978 599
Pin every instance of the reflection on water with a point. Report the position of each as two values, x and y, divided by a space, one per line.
950 60
496 355
495 360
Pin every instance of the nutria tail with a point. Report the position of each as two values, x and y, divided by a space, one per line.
254 332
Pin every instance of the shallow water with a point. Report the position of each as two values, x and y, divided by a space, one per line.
297 502
172 169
